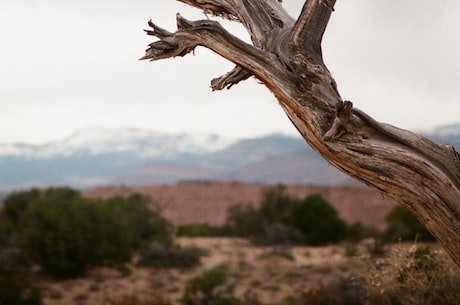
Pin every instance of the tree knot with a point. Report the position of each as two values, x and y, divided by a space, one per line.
341 121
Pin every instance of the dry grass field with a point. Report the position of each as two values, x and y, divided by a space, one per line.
265 273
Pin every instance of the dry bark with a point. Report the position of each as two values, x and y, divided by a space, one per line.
285 55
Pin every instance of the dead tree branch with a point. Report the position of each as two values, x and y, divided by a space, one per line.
286 56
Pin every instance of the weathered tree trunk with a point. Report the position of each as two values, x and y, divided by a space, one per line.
285 55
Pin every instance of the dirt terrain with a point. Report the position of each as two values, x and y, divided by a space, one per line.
267 273
208 202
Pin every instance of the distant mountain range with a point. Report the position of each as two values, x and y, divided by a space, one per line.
98 156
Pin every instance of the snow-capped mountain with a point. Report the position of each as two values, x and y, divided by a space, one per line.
97 141
98 156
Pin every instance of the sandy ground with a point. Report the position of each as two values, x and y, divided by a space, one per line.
268 273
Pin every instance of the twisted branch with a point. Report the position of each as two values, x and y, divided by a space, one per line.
286 56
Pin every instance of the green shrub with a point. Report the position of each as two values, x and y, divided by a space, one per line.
198 230
17 203
14 262
15 292
141 223
276 206
243 221
402 225
423 261
419 275
358 231
278 234
318 221
281 219
11 212
203 289
7 232
166 256
55 232
368 236
66 234
337 292
350 249
247 221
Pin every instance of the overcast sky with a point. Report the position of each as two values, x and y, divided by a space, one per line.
67 65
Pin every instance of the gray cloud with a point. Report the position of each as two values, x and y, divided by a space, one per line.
66 65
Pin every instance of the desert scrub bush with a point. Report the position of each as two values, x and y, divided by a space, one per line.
198 230
278 234
66 234
318 221
11 212
403 226
342 291
16 292
17 203
420 259
243 221
357 231
204 289
267 224
370 246
419 275
166 256
282 219
350 249
14 262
